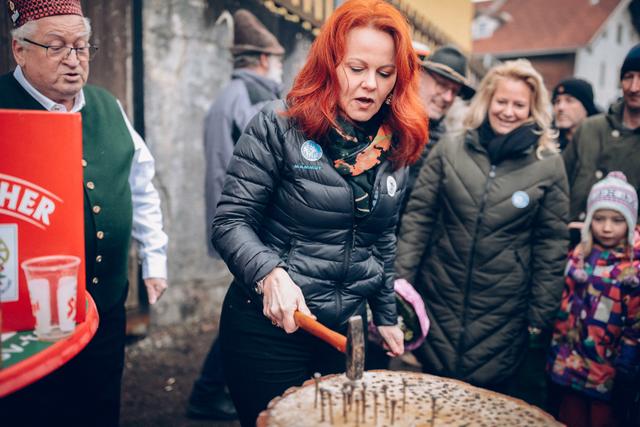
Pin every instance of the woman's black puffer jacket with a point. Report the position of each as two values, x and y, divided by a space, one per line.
284 205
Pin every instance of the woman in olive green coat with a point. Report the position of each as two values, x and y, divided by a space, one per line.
484 236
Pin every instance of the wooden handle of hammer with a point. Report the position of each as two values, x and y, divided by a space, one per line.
336 340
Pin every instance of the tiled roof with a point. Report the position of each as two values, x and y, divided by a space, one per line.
538 26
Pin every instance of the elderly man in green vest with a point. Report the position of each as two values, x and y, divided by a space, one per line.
52 49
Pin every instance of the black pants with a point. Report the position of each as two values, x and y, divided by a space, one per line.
83 392
531 379
376 357
261 361
211 377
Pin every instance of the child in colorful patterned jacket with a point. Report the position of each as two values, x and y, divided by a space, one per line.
596 335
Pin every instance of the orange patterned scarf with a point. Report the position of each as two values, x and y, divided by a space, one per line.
357 152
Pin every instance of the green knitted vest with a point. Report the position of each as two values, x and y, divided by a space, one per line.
107 150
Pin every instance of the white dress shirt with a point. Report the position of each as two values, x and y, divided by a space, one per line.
147 216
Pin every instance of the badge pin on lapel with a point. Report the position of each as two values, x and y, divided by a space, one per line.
15 14
392 186
311 151
520 199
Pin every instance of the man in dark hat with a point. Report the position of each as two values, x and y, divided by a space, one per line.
607 142
572 103
443 78
52 49
255 80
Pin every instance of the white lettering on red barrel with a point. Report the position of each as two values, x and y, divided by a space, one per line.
27 201
67 289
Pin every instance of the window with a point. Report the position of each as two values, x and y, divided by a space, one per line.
483 27
619 34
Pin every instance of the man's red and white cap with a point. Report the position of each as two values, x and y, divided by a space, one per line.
22 11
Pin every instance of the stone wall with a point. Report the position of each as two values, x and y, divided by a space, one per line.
186 62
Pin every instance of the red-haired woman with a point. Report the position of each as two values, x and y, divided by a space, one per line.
309 208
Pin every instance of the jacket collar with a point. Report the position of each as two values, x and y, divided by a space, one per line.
247 75
472 140
614 117
47 103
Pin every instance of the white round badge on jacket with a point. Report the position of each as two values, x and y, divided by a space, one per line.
311 151
392 186
520 199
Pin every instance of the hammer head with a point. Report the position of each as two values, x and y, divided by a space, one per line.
355 348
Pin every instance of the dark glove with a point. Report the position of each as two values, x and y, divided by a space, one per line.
539 338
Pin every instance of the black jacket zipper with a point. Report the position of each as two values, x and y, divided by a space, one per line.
347 257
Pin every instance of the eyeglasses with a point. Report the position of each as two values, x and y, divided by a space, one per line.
56 52
446 85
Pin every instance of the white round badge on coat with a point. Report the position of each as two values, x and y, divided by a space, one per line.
392 186
520 199
311 151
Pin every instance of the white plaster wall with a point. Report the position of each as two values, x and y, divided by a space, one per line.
600 62
185 63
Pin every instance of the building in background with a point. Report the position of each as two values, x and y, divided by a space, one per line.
437 23
583 38
451 17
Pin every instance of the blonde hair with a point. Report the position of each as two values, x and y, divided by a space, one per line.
586 244
540 109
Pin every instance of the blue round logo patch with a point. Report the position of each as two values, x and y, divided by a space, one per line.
392 186
520 199
311 151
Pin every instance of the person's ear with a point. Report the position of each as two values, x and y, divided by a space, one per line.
264 61
19 52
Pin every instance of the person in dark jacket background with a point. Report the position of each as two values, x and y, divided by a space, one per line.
572 101
308 213
443 77
607 142
484 235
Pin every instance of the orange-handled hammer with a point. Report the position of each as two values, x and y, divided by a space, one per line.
352 345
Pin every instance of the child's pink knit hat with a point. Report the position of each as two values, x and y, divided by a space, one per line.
615 193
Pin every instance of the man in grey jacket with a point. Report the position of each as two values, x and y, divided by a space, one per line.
255 80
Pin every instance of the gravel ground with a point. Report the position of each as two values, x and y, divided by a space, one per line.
159 372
